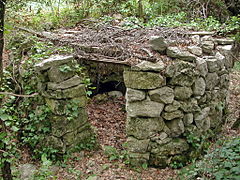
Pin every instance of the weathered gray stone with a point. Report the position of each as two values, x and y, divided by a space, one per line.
202 33
224 41
212 63
202 66
227 52
176 52
202 99
27 171
74 81
144 128
201 119
221 60
163 95
188 119
149 66
137 146
135 95
182 93
176 126
53 61
195 39
189 106
158 43
207 47
160 136
82 135
55 75
138 159
61 125
212 80
216 115
207 38
73 92
182 79
177 67
59 107
116 94
199 87
176 146
54 142
143 80
172 115
158 160
144 108
224 81
172 107
196 50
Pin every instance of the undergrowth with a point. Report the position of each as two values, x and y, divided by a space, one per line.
223 162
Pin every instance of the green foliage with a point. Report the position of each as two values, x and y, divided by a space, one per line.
237 66
44 171
115 154
221 163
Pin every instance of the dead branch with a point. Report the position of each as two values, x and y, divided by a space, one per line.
18 95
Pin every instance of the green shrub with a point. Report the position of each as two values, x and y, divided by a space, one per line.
221 163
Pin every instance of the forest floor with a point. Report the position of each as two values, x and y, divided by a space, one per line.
108 117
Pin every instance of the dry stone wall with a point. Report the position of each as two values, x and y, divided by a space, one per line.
65 95
168 102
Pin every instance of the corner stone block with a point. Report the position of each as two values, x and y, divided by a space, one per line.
144 128
144 108
135 95
143 80
162 95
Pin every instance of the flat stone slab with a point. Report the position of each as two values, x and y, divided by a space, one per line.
149 66
74 81
143 80
202 33
144 108
53 61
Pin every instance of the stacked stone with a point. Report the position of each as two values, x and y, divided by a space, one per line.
64 92
167 101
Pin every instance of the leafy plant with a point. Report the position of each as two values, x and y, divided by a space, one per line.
221 163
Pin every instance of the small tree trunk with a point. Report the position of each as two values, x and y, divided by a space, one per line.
6 167
140 9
